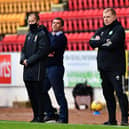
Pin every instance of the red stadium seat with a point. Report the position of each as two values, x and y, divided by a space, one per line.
95 4
67 14
21 39
75 37
9 39
89 13
105 3
70 37
85 4
111 3
19 47
75 5
127 3
69 46
90 5
100 4
79 14
118 11
122 3
122 12
80 4
70 27
49 25
12 43
75 27
70 4
85 46
80 38
127 36
91 34
74 46
79 46
89 47
116 3
94 13
122 20
90 23
78 41
100 22
127 45
85 24
87 36
5 49
20 42
80 25
1 48
96 24
65 26
126 11
127 24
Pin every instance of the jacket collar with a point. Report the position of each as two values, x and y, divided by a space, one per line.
112 24
57 33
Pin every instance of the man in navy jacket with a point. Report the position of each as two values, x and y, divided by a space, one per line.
110 41
55 68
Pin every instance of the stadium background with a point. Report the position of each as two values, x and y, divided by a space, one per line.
81 18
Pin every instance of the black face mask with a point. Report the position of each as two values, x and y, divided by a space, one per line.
33 27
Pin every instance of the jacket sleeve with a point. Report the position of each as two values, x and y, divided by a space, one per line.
59 42
42 49
115 40
22 55
94 42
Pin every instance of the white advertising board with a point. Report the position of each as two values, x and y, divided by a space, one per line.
79 66
10 70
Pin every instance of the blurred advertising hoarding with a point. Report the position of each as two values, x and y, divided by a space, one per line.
10 70
81 66
5 69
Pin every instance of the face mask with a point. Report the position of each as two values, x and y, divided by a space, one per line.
33 27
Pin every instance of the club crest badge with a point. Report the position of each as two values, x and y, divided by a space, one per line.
111 32
35 39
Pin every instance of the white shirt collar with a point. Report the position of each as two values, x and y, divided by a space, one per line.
57 33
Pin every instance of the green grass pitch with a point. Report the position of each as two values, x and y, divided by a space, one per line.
27 125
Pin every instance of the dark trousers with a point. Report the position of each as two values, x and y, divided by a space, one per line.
54 79
112 81
34 89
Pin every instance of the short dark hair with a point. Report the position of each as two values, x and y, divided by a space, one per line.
59 18
36 16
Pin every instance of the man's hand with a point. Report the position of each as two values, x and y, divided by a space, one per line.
51 54
97 37
108 43
25 62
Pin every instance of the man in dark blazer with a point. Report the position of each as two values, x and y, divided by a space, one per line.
55 69
110 41
33 56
